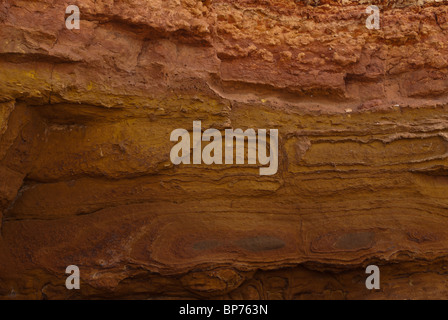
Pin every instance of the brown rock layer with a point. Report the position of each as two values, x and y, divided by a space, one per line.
85 171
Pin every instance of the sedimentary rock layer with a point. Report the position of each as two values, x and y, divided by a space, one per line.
85 171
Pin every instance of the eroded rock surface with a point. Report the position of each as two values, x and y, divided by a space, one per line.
85 171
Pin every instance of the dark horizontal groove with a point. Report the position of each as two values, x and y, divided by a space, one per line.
15 57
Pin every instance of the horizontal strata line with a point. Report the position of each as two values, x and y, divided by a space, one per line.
294 210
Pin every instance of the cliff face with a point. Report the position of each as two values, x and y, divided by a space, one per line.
85 171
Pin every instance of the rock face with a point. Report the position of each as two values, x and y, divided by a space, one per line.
85 171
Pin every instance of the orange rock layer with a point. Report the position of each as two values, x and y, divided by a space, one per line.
85 171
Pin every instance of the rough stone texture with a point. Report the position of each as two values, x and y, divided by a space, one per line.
86 178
